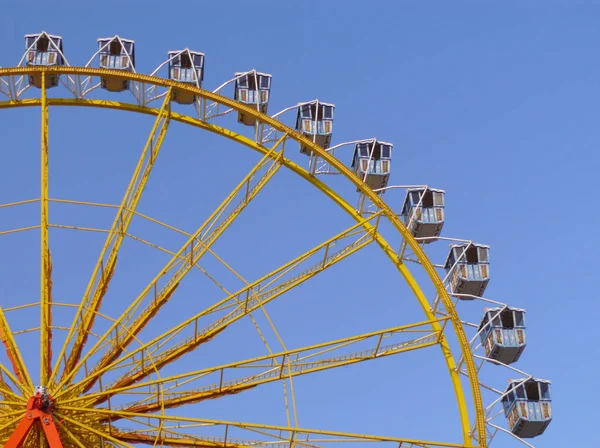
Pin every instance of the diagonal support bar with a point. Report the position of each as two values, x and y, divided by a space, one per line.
165 438
168 355
270 432
14 355
103 435
73 437
245 301
289 363
128 325
103 271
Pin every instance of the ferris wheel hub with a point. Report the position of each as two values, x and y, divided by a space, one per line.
39 410
42 400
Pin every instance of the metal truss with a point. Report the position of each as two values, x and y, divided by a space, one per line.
105 266
124 386
45 261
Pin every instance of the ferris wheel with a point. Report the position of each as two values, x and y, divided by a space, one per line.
111 385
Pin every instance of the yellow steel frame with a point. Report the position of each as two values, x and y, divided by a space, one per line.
294 431
105 266
46 265
45 302
294 362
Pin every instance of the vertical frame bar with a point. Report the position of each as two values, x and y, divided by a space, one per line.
45 263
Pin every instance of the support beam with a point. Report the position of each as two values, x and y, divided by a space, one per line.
73 438
15 358
45 263
244 301
176 439
103 271
290 363
152 361
103 435
8 425
130 323
275 432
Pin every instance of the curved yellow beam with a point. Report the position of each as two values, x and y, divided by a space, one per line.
341 168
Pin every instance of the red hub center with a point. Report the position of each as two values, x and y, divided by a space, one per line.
39 411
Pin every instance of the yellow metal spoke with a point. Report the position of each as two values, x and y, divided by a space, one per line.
178 439
133 237
92 430
9 420
266 343
73 437
45 264
20 229
53 327
14 355
272 367
5 388
141 240
155 246
153 360
103 271
135 212
57 304
12 204
166 439
281 367
128 324
248 299
294 434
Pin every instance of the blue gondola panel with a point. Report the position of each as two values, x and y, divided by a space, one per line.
315 121
468 269
502 334
423 213
44 50
528 407
116 53
372 162
252 88
188 67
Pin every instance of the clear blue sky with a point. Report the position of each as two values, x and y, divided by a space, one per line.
495 102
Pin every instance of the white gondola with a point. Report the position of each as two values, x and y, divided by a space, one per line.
252 88
44 49
502 334
372 162
116 53
315 121
188 67
468 266
423 213
528 408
